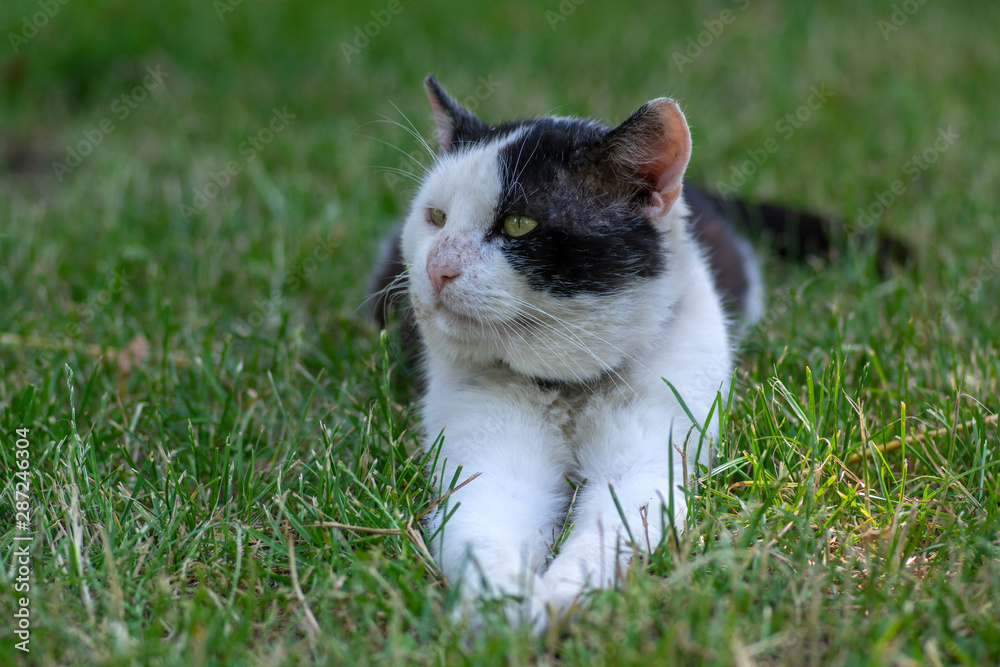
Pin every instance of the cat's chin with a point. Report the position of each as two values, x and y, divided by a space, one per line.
475 342
458 325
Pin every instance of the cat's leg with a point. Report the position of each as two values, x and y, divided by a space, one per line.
645 460
640 441
510 463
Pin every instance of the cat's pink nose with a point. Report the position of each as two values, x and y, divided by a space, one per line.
441 275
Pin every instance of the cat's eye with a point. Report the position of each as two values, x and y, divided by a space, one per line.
518 225
437 217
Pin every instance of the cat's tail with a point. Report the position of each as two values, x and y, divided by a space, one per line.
722 226
793 233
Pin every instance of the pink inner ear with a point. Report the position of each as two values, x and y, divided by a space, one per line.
443 121
669 153
667 173
672 151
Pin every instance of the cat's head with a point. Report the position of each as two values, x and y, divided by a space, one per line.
549 245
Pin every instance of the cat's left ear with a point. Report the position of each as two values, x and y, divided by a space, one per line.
653 145
455 123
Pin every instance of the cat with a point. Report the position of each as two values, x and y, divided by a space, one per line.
577 307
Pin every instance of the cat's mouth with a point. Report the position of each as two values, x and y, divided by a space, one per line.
481 326
454 318
451 319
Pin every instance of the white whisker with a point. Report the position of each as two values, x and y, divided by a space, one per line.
400 150
578 342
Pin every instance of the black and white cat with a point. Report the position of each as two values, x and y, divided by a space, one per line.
559 279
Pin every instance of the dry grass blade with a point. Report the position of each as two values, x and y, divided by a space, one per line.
358 529
309 620
893 445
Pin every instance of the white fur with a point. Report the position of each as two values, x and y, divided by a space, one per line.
620 425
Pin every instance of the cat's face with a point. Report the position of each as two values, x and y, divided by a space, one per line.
546 244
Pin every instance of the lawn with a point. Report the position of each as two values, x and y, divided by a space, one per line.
214 451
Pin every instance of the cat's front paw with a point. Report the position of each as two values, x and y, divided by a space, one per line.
522 605
562 587
567 582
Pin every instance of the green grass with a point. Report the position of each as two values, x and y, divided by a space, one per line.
183 501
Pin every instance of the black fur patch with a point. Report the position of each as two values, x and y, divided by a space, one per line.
591 237
716 234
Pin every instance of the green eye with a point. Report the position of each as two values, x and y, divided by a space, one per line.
437 217
518 225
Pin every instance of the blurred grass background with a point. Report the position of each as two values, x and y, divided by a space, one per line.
264 404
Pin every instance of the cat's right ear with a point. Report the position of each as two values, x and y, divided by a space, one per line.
653 146
455 123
